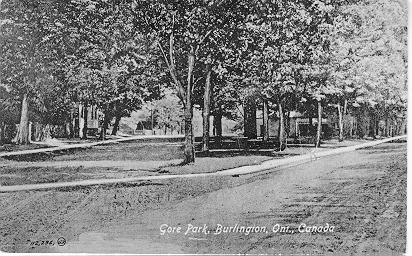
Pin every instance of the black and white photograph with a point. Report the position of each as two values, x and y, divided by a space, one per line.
203 127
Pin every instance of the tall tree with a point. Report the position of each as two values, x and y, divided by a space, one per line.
26 58
182 29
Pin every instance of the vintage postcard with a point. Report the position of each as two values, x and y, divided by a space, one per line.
203 127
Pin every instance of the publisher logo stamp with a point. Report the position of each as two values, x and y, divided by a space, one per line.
61 241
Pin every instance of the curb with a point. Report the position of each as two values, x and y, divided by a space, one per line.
270 164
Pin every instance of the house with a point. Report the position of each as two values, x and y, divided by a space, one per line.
299 124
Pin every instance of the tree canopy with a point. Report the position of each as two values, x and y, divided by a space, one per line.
343 57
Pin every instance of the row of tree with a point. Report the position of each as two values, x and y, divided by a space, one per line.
310 56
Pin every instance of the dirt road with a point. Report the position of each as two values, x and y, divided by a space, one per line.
359 199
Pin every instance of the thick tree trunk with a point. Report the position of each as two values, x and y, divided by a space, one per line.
189 150
206 109
319 128
85 114
217 127
265 121
23 131
340 122
282 137
250 130
116 123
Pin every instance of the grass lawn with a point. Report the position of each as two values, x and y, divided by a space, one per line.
46 168
15 175
13 147
214 164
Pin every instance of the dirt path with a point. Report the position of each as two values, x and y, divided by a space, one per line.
361 193
319 193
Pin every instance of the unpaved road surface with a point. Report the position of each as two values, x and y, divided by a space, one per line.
362 194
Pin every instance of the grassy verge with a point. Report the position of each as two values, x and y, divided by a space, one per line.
13 175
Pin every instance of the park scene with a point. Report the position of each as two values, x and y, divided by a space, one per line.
213 126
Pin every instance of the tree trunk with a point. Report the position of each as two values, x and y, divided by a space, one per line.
189 150
250 130
2 133
352 125
361 123
372 124
116 123
377 126
217 127
396 126
265 121
354 131
340 122
217 121
310 126
23 131
85 114
106 121
319 128
282 138
67 130
345 107
287 124
386 126
206 109
71 126
152 121
76 125
2 128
